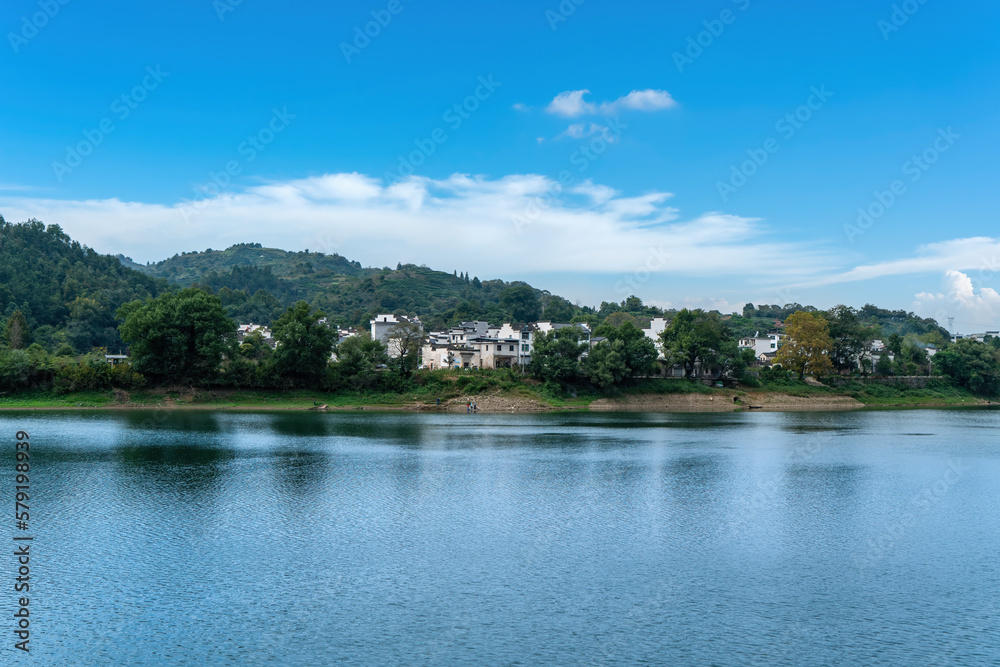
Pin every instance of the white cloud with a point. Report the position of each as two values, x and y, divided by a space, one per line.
502 226
960 298
581 130
640 100
976 253
571 103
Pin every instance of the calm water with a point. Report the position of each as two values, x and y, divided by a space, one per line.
857 538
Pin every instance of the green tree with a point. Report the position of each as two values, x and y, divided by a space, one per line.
255 348
303 345
619 318
358 360
630 353
850 339
693 337
556 355
177 336
807 348
883 366
972 364
558 310
605 366
894 343
521 303
16 332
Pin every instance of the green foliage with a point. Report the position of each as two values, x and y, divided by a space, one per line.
61 287
556 355
894 344
695 336
93 373
256 284
16 332
884 365
304 345
359 359
625 353
521 303
15 369
605 366
972 364
850 338
178 336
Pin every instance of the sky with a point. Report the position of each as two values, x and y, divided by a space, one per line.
702 154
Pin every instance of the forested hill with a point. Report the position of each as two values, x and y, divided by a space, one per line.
67 292
256 284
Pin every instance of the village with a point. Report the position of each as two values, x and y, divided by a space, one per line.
481 345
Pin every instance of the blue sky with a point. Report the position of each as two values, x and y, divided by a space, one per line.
209 123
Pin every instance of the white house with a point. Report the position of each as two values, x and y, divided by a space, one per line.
770 343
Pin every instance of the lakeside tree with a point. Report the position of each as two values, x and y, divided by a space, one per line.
555 355
624 353
850 338
972 364
177 336
605 365
358 361
694 337
807 348
304 345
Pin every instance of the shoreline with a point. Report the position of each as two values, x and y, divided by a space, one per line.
721 400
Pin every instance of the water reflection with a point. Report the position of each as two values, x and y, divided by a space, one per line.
499 539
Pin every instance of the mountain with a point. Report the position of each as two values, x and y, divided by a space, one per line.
67 292
256 284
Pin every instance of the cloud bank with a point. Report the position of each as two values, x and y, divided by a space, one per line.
499 226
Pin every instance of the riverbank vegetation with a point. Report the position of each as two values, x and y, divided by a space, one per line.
64 306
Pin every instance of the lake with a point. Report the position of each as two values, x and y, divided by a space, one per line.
223 538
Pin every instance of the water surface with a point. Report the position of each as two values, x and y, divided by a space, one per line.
861 538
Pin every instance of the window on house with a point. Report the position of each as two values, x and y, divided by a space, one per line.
524 348
525 335
511 348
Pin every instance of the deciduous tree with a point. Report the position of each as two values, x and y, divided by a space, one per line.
807 347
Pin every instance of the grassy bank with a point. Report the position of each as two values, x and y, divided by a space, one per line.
523 394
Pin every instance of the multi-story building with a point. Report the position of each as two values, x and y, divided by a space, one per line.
763 345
